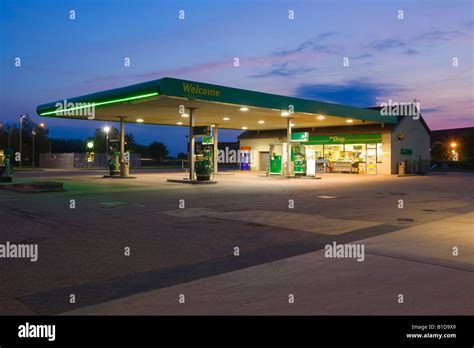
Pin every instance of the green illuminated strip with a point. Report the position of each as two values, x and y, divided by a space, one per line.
101 103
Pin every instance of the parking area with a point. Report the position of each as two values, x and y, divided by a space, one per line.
132 246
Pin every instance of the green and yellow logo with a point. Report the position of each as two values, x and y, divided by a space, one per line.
337 139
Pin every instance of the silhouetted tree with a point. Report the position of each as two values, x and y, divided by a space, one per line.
100 138
182 155
157 151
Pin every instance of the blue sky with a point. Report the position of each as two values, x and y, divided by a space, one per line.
389 58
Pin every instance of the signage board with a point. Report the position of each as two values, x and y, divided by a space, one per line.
90 156
345 139
406 151
310 162
301 136
201 130
207 140
199 90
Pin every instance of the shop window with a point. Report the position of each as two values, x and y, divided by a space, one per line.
318 150
319 153
355 152
334 152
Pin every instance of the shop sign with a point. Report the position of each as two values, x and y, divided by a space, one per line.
207 140
345 139
301 136
406 151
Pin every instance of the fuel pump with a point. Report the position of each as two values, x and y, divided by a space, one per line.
204 159
276 165
6 168
114 158
299 159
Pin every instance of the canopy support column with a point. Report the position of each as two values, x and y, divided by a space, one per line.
216 148
289 164
123 169
191 144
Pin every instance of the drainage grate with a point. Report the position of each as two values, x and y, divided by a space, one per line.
110 205
405 220
391 193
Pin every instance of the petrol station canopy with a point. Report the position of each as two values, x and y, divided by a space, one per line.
158 102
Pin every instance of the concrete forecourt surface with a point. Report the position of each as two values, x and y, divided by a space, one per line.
243 246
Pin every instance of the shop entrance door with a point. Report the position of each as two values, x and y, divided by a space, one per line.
371 159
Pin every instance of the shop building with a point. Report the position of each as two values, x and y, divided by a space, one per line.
361 149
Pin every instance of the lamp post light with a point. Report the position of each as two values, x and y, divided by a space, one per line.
33 133
454 154
21 133
90 152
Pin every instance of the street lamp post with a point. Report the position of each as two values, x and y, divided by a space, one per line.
33 133
21 134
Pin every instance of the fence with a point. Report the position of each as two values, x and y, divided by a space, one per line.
79 160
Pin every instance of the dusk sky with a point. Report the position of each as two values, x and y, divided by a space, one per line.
389 58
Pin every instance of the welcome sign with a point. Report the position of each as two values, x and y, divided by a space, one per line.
194 88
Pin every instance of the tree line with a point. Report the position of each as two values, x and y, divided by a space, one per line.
44 143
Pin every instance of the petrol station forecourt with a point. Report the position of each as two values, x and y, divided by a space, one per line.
191 249
324 136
